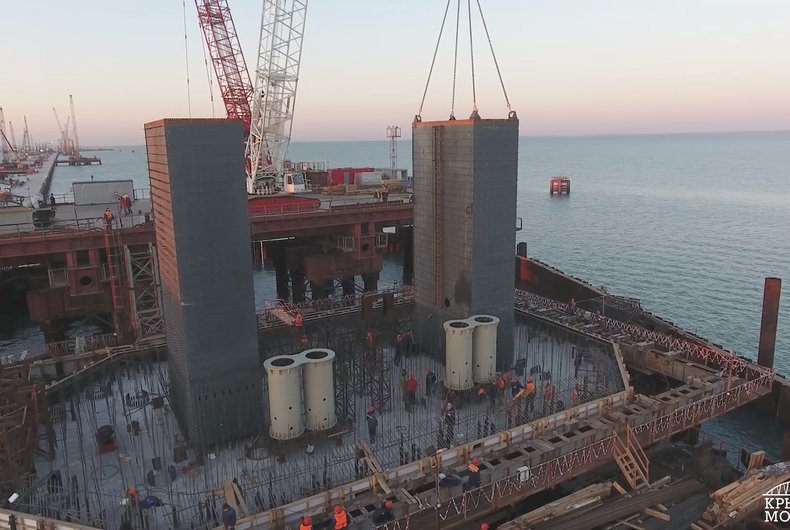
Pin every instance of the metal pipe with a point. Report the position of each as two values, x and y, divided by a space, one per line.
765 352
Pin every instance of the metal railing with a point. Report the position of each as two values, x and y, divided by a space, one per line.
85 224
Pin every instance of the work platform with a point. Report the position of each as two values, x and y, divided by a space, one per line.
522 452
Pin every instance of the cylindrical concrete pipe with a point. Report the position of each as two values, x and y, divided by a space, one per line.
458 354
484 353
319 389
284 377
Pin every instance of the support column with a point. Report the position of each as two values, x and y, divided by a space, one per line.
407 246
370 281
54 330
280 272
297 286
320 290
348 286
765 352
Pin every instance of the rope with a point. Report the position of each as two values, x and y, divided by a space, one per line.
472 55
433 61
186 58
496 63
455 59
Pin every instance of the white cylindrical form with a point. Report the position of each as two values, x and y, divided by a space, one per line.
458 354
319 389
484 354
284 376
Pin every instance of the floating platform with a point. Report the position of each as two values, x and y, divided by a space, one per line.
560 185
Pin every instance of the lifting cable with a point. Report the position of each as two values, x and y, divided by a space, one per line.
455 58
186 58
491 46
472 59
433 61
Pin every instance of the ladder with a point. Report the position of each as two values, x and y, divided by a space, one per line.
631 459
116 274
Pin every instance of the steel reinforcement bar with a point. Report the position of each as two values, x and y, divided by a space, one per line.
691 351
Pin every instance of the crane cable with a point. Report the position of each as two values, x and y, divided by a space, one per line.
455 59
472 55
186 58
433 61
496 63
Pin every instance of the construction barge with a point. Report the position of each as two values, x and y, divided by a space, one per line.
85 424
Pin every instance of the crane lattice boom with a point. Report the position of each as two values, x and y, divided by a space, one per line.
277 75
230 68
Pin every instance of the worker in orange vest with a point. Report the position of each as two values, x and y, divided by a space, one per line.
548 396
108 217
575 396
306 524
298 320
474 475
340 517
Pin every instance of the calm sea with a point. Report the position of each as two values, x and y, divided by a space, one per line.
689 224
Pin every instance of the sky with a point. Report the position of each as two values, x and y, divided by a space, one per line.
570 67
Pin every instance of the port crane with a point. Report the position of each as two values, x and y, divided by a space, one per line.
265 109
3 146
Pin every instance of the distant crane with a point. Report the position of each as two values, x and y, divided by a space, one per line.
13 136
27 144
3 144
64 146
266 111
74 137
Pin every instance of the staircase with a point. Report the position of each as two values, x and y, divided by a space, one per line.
631 459
116 273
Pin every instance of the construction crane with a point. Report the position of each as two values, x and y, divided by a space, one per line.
3 145
274 99
27 144
74 137
267 115
227 58
13 137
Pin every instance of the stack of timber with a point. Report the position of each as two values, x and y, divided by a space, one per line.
622 508
746 495
585 498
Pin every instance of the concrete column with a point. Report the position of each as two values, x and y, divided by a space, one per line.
785 447
407 246
280 272
297 286
765 352
348 286
370 281
54 330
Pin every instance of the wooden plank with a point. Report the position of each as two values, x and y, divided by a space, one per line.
621 490
656 514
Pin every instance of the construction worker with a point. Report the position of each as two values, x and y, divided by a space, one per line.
340 518
449 423
228 517
398 348
575 396
373 423
529 394
306 524
131 494
430 380
108 217
371 339
481 393
305 342
298 322
410 386
383 513
474 475
484 526
501 384
515 387
548 396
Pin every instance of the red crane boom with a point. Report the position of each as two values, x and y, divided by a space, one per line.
230 67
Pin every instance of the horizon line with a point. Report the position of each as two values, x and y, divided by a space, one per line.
591 135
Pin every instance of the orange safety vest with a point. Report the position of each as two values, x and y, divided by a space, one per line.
303 526
473 468
530 389
298 320
341 520
548 392
574 396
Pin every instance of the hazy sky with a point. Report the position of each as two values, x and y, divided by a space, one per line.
571 67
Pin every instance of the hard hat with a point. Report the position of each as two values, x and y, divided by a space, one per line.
484 526
529 379
388 504
307 520
338 509
371 409
442 476
475 460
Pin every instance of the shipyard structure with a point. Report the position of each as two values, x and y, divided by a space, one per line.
473 396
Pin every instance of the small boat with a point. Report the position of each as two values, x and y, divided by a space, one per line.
559 185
